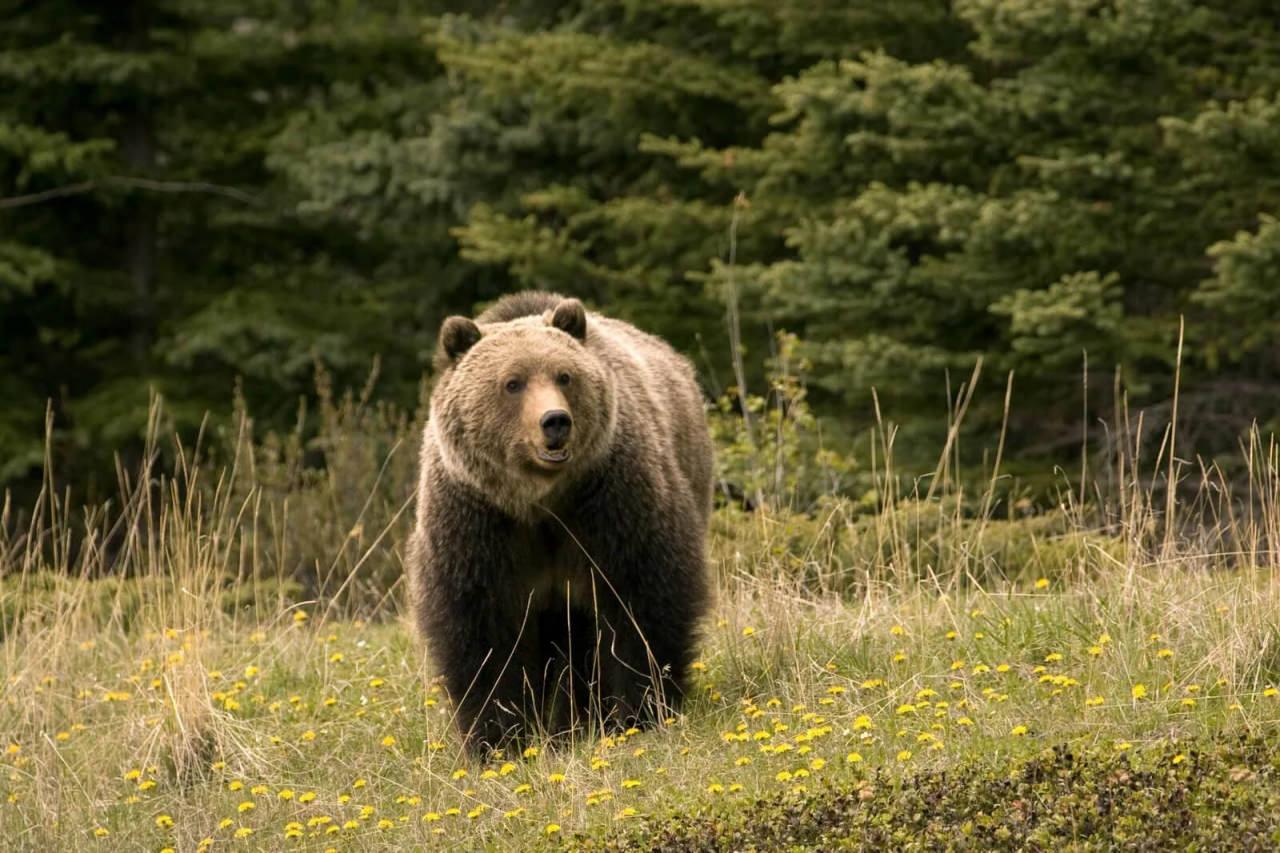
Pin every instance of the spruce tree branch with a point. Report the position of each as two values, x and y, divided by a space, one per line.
128 182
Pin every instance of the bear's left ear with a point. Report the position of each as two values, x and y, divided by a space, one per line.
571 317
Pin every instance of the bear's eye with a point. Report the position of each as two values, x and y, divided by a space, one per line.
563 379
513 386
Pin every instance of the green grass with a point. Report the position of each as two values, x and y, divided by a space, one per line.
334 732
216 661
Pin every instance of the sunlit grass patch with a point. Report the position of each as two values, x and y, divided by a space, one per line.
316 731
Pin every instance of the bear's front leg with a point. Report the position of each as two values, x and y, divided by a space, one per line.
478 628
651 589
483 653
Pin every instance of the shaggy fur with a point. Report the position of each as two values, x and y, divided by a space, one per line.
551 593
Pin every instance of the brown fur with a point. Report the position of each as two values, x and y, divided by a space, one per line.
549 591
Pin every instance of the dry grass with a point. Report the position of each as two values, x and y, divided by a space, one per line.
169 681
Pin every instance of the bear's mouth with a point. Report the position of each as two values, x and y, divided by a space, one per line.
553 457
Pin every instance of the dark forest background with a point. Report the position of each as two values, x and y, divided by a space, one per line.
212 199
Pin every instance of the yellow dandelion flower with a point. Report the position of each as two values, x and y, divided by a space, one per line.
389 740
551 828
522 789
1179 758
300 616
1165 653
530 752
748 631
631 783
904 755
556 778
285 794
1270 691
164 821
853 758
1093 701
247 805
1139 691
101 832
1042 583
1018 731
244 832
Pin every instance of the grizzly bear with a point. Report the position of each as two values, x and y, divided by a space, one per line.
557 569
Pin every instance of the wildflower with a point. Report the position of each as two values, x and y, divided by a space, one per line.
164 821
1271 691
309 735
1165 653
300 616
748 631
531 752
904 755
897 630
285 794
853 758
1139 691
555 778
1042 583
631 783
389 741
247 805
1179 758
1093 701
101 832
715 788
551 828
1018 731
522 789
307 797
244 832
863 722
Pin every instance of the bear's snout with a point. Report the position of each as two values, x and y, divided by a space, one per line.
556 425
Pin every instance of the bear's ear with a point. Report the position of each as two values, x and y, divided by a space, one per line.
457 335
571 317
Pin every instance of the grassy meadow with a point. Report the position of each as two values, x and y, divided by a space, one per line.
1095 674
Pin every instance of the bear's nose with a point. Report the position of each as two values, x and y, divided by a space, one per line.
555 428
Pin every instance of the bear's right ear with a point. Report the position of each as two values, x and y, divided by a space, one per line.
457 335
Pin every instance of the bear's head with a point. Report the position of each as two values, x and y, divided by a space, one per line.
521 406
